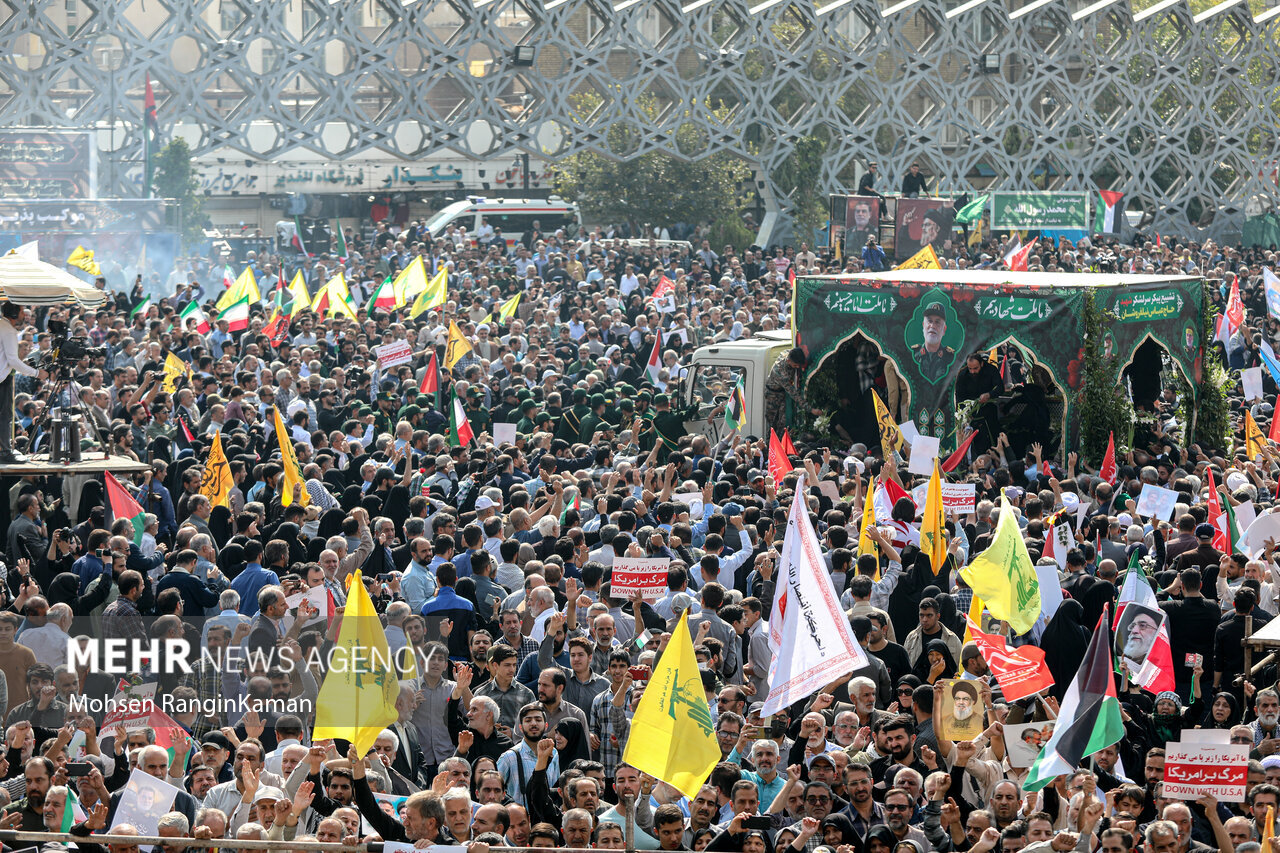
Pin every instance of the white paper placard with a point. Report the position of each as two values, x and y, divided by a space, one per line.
1156 502
504 434
1251 382
909 431
924 449
693 500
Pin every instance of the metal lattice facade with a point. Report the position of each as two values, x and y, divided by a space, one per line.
1181 116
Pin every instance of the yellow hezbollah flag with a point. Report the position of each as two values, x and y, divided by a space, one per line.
925 259
507 310
215 482
890 435
434 295
1269 829
456 347
245 286
1255 444
933 531
1004 577
292 473
411 281
82 258
867 545
671 734
358 698
174 367
975 615
301 297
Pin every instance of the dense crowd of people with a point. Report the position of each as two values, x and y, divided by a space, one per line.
491 562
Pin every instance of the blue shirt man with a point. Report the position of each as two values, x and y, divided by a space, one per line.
250 581
448 605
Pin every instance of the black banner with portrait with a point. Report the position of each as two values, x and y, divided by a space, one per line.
922 222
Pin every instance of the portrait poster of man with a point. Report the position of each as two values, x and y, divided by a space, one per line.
934 335
145 800
1023 741
862 220
961 715
1135 634
922 222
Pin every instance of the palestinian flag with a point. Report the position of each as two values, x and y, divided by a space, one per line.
71 808
183 437
576 506
236 315
1156 673
735 411
460 434
653 364
141 307
193 312
1089 719
122 505
1109 207
298 242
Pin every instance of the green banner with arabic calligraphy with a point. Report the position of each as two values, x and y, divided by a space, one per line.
927 328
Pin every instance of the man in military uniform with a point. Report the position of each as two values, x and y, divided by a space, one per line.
594 419
782 382
384 420
571 420
669 422
644 431
528 409
477 414
934 358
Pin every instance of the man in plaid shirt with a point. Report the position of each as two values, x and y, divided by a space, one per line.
509 621
121 619
205 677
609 721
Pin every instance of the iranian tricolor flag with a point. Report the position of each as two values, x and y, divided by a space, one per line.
228 276
1109 207
654 364
1155 674
236 315
122 505
193 312
1089 719
460 434
383 298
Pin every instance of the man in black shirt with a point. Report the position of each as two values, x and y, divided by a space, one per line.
980 381
1193 622
913 183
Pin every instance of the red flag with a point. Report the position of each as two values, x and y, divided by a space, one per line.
1020 672
1017 262
1108 470
1004 364
665 286
1045 469
779 465
1275 427
1158 244
787 446
1217 517
956 458
430 379
791 274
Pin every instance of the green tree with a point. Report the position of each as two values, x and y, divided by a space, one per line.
800 176
175 178
654 188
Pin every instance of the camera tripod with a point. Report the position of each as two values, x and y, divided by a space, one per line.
62 383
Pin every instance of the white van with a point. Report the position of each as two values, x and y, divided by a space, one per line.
514 216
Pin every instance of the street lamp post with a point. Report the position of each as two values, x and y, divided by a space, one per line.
108 56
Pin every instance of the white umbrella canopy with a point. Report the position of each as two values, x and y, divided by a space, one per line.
31 282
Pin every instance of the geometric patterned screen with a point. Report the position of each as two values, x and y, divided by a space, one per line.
1180 115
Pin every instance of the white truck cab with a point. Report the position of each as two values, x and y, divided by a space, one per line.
715 370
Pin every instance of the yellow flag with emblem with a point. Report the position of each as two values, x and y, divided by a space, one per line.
672 737
933 532
925 259
456 347
301 297
244 286
358 699
1003 575
433 295
82 258
216 482
890 435
174 368
289 461
1255 444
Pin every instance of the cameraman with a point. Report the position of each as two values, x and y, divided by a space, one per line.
12 317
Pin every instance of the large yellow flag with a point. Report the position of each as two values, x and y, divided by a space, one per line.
1255 444
976 606
289 461
358 697
435 295
671 733
215 482
507 310
890 435
1004 576
82 258
933 531
301 297
1269 830
174 368
925 259
867 545
456 347
244 286
411 281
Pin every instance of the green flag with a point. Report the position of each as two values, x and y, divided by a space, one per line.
972 211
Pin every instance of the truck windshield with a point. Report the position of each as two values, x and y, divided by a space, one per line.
714 382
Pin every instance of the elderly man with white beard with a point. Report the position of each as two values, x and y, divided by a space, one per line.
1266 705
